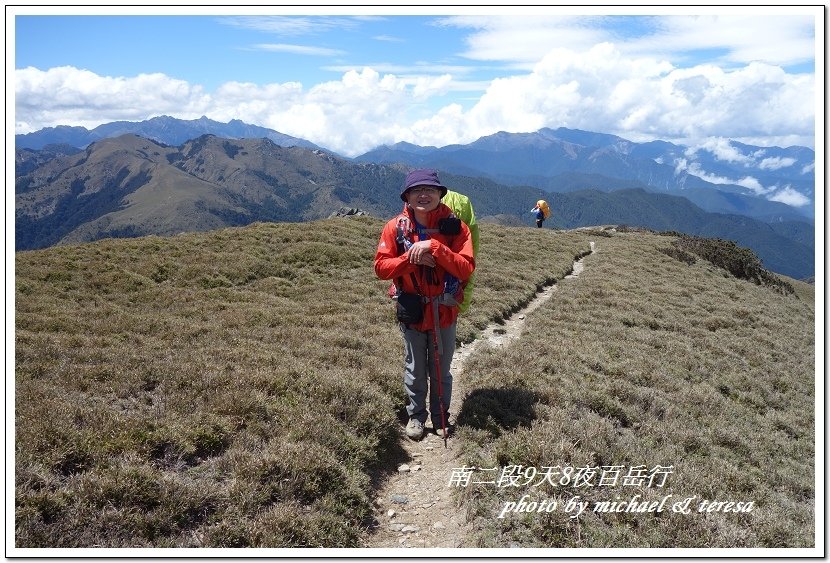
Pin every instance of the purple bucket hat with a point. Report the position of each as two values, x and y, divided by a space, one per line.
422 177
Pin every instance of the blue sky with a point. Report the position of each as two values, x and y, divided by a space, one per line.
350 79
212 50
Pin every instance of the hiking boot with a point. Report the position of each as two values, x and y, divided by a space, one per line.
440 431
414 429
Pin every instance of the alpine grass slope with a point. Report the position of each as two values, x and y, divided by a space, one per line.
241 388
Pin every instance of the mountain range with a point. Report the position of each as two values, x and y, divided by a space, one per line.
164 129
564 160
73 186
730 178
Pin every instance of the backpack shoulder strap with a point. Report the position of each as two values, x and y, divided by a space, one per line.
404 241
403 238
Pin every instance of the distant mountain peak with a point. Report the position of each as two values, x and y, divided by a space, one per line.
163 128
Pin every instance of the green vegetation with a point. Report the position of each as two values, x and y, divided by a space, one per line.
740 262
225 389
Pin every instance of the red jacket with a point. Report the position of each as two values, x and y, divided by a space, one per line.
452 253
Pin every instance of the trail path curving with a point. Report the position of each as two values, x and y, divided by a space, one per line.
416 506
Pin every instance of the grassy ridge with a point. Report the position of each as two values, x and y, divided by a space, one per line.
649 360
225 389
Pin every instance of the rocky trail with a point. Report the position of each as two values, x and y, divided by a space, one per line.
416 507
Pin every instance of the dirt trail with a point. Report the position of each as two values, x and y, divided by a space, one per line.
416 506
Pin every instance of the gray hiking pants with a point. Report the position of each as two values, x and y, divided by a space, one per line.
419 363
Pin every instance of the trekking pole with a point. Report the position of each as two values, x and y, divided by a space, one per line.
437 346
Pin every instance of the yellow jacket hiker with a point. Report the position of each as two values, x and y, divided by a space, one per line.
542 211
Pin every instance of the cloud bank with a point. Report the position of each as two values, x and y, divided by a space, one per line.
599 89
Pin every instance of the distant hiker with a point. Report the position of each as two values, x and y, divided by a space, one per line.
428 252
462 207
542 211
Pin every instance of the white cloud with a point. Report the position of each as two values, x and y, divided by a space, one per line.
602 90
292 26
388 38
298 49
756 100
245 101
437 130
776 163
71 96
357 113
753 184
723 150
599 89
409 70
790 197
786 195
523 40
693 168
780 40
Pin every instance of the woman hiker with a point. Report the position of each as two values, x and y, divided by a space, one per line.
428 253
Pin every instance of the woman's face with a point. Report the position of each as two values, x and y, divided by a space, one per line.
423 198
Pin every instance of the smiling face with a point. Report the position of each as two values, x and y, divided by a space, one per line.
423 199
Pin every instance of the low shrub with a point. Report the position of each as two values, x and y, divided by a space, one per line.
739 261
